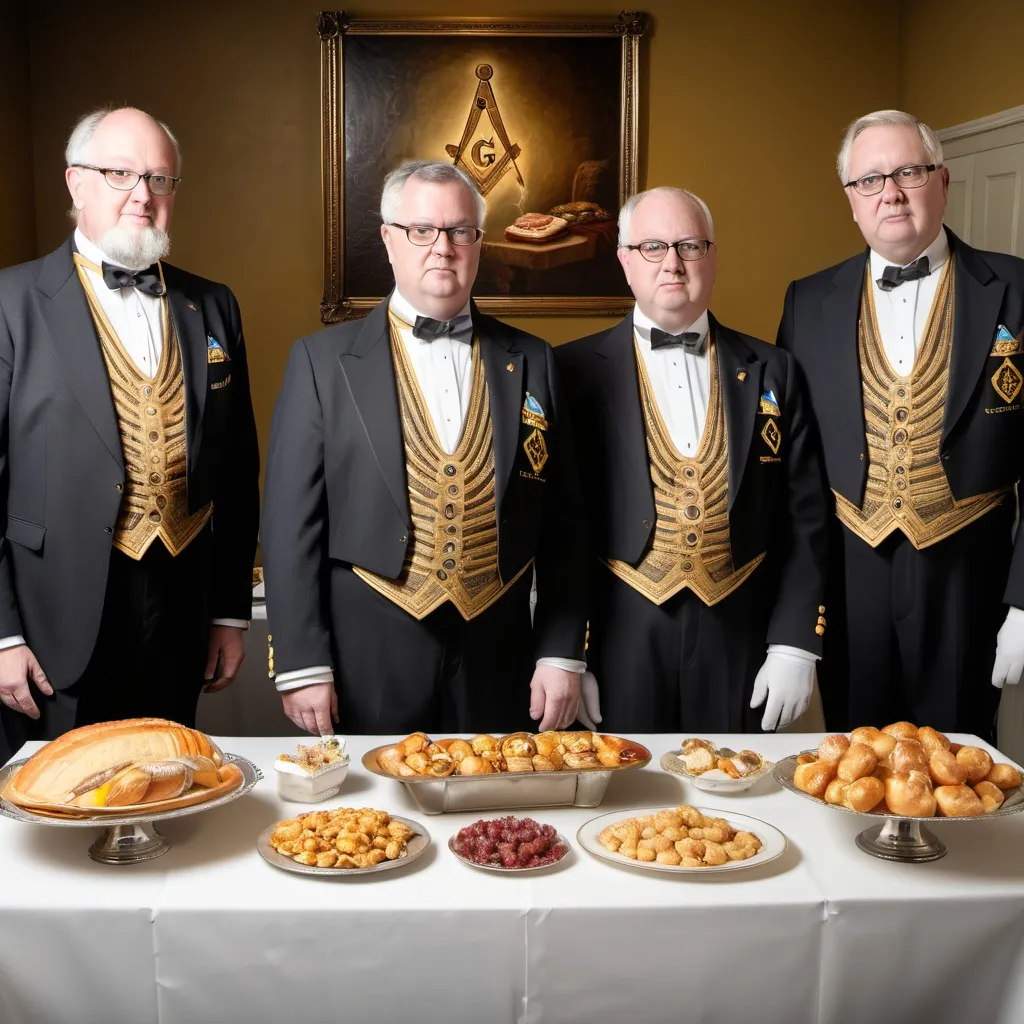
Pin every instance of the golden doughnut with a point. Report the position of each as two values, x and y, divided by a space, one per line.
865 794
831 748
910 795
978 762
901 730
1005 776
945 769
932 740
990 794
814 778
908 756
858 761
958 801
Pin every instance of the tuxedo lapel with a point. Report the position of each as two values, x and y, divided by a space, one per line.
190 328
370 374
72 332
978 298
739 374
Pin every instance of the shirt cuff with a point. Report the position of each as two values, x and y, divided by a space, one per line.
793 653
304 677
237 623
11 641
566 664
1013 615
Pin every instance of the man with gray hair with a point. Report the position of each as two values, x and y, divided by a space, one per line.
129 470
914 356
419 466
705 493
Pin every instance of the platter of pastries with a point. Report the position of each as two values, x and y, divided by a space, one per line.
682 840
715 769
345 841
903 771
509 844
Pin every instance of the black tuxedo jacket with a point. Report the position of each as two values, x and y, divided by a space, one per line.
336 493
777 501
62 469
983 435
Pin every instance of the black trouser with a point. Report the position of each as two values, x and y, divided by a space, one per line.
440 674
150 652
921 626
680 666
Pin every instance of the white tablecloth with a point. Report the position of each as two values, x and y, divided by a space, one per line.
209 932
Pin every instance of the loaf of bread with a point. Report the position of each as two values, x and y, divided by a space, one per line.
535 227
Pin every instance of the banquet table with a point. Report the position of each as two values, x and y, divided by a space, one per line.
211 932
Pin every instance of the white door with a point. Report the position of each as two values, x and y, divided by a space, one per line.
997 197
958 206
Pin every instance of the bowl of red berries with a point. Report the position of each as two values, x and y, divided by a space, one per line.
509 844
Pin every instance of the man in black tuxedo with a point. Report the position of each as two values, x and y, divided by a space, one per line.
128 464
914 362
705 493
419 467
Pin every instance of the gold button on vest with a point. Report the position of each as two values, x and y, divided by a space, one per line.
453 552
691 496
906 486
151 421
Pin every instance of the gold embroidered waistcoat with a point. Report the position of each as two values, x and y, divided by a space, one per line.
691 497
453 551
151 421
906 486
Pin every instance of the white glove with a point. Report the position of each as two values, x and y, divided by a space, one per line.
787 680
588 711
1009 661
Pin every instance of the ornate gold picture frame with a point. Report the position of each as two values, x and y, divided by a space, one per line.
542 115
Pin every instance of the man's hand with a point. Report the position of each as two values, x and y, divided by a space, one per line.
313 708
1009 661
787 682
225 653
18 666
588 711
554 697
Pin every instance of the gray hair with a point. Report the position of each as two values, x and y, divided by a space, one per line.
85 128
437 172
626 213
876 120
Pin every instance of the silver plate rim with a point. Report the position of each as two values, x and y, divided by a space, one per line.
279 860
250 776
502 870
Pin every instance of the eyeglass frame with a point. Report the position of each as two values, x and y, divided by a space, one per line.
141 177
928 168
455 227
672 245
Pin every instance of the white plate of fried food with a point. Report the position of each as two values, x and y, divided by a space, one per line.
343 842
682 840
715 769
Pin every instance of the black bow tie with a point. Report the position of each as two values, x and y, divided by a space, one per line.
428 329
690 340
146 281
893 277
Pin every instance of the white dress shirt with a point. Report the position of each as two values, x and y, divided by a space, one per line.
444 372
902 313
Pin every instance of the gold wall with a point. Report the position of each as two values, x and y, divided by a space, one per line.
17 187
741 101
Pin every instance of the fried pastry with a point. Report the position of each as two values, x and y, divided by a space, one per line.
832 748
945 769
910 795
958 801
991 795
978 762
1005 776
814 778
858 761
908 755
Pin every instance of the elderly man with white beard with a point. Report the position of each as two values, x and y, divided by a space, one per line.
128 456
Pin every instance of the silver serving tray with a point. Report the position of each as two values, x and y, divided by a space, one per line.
414 848
504 791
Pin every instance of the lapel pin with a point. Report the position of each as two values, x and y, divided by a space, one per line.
741 375
510 367
193 308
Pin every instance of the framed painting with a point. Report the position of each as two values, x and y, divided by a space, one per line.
541 115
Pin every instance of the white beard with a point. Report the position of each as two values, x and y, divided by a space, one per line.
136 250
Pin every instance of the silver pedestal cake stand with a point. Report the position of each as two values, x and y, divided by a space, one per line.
133 838
895 838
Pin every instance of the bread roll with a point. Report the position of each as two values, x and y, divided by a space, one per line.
475 765
865 794
990 794
945 769
806 758
910 795
858 761
1005 776
482 743
835 792
958 801
901 730
814 778
518 744
882 772
458 749
978 762
864 734
883 745
546 742
831 748
908 756
932 740
413 743
418 761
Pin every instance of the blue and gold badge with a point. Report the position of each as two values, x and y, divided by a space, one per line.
215 351
769 405
1005 344
772 435
533 414
536 450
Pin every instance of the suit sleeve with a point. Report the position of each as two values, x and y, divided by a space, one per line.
10 619
236 504
560 618
803 525
294 522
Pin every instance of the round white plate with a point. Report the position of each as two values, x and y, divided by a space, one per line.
414 848
559 838
773 842
715 780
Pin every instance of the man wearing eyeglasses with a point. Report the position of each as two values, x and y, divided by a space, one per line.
705 494
128 461
419 468
914 361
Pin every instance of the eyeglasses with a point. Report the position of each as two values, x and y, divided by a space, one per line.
689 249
124 180
911 176
427 234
